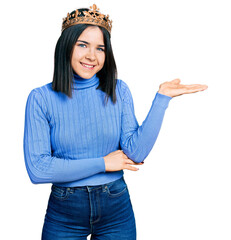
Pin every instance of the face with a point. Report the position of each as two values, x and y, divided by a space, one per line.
88 55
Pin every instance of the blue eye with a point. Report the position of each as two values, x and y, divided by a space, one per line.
82 45
101 49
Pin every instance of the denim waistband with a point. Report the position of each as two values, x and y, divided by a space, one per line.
93 188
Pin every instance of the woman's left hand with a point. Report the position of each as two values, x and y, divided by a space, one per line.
174 88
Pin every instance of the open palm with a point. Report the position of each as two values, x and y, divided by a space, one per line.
174 88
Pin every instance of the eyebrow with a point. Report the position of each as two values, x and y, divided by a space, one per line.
88 43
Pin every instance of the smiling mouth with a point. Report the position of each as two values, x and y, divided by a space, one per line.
88 66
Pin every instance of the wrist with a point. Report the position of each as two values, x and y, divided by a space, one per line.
164 93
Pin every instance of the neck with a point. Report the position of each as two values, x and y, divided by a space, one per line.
82 83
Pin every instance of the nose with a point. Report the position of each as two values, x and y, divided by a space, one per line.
91 55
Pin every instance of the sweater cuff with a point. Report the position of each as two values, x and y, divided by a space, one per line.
162 100
102 164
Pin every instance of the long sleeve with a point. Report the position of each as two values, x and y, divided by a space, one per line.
137 141
41 166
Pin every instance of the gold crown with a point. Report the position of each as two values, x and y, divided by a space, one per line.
93 17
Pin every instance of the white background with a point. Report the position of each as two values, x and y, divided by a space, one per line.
183 190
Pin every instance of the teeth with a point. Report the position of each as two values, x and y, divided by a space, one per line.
88 66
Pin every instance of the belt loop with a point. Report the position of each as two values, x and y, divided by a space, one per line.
88 189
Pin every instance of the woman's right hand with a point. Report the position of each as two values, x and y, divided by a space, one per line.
117 160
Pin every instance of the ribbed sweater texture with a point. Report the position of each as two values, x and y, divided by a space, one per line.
65 139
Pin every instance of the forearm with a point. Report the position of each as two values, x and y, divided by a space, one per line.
47 169
140 142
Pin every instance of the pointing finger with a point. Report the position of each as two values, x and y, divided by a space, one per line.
129 167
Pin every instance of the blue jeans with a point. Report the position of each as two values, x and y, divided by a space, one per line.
104 211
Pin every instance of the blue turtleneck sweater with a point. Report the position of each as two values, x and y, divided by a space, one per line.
65 139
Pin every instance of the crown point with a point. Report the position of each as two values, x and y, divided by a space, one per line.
90 17
76 13
94 7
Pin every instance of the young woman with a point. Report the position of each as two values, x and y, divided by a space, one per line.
81 132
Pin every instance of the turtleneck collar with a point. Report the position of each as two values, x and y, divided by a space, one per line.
82 83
